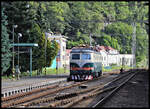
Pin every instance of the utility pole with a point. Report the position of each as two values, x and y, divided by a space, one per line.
45 51
134 43
13 69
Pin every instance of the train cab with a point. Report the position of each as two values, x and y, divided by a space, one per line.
83 65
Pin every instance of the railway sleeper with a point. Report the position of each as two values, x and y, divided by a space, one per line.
37 101
93 93
65 96
60 103
18 95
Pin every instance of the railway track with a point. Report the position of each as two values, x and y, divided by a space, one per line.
65 96
99 90
112 93
32 95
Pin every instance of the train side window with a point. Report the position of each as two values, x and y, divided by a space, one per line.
86 56
76 56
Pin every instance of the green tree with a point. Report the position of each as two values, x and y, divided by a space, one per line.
56 15
122 11
52 50
114 44
5 53
141 45
40 17
38 52
77 20
121 32
72 44
23 15
105 40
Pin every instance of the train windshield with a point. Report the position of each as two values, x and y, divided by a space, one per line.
76 56
86 56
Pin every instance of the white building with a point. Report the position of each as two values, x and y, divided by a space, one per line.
111 56
61 56
104 55
126 59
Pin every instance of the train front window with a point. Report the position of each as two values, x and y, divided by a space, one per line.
86 56
76 56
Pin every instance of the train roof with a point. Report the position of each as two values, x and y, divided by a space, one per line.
83 50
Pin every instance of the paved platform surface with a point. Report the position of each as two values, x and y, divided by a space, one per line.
28 81
9 86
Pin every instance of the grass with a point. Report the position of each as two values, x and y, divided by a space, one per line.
50 71
8 77
115 67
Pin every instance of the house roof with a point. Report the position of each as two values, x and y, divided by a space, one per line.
97 48
109 48
101 47
104 48
68 51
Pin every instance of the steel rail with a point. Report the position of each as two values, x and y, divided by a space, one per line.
60 89
86 96
94 93
25 99
27 93
96 88
60 96
78 92
112 92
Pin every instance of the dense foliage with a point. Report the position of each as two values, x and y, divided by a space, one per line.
30 24
5 43
109 24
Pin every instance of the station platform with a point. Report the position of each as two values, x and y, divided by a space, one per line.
9 87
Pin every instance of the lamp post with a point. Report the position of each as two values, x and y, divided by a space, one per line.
19 35
13 69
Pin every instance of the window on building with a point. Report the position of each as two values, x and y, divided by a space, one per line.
63 57
63 48
75 56
86 56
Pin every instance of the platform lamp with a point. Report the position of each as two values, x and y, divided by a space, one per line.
19 35
13 69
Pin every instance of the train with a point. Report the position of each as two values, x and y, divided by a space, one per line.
85 64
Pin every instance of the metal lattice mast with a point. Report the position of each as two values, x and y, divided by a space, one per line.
134 43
